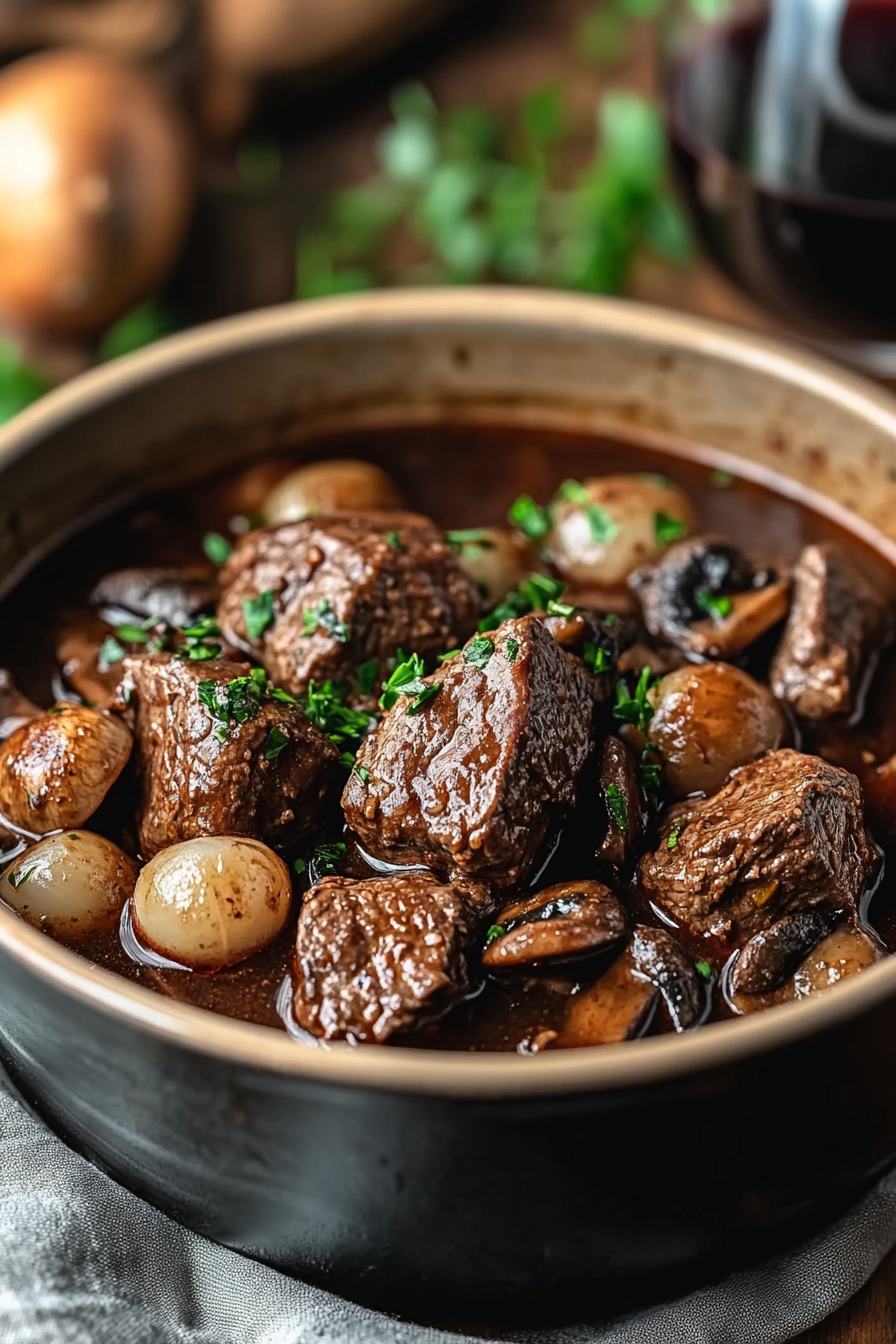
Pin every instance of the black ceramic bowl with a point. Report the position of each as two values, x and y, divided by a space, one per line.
425 1182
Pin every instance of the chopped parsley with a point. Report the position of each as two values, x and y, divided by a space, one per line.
201 640
667 529
324 860
650 766
596 658
326 708
555 608
722 479
496 931
217 548
131 634
532 520
635 709
533 594
422 698
15 880
405 679
479 651
446 657
110 652
716 607
469 541
602 526
73 835
275 744
703 969
258 613
323 617
511 649
617 806
395 541
235 701
367 675
362 772
675 832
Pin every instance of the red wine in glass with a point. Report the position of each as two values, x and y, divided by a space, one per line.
783 138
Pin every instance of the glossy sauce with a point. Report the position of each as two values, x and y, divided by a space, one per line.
461 477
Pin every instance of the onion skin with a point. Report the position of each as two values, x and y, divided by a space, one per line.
72 885
344 485
212 902
95 189
56 770
709 719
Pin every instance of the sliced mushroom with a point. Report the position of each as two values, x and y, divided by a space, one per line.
770 957
15 708
570 919
705 597
660 958
622 797
617 1007
174 595
843 953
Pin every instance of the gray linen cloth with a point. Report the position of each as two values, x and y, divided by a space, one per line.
84 1262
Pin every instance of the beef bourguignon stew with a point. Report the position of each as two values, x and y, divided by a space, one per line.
613 755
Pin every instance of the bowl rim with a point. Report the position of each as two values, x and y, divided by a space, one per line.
399 1069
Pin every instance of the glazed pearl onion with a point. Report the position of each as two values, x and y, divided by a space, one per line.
634 509
73 885
211 902
496 559
707 720
330 487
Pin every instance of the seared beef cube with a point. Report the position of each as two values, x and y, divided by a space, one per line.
472 779
174 595
836 621
786 833
316 598
205 772
376 956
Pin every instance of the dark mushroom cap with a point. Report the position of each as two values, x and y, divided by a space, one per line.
570 919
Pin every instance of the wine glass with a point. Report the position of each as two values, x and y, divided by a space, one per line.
782 123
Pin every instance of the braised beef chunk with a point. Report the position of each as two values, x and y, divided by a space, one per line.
472 779
376 956
315 599
622 799
705 597
836 622
217 757
769 957
786 833
570 919
174 595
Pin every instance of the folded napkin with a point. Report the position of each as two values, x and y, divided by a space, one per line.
82 1261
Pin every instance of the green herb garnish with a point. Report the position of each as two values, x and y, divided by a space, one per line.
496 931
532 520
617 806
422 698
650 766
131 634
324 617
511 648
533 594
395 541
110 652
446 657
326 708
722 479
367 675
704 969
674 833
405 679
596 659
469 541
479 651
258 613
217 548
635 709
560 609
15 880
325 859
275 744
73 835
716 607
201 640
667 529
602 526
362 772
235 701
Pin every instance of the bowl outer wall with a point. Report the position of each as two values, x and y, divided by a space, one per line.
390 1175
